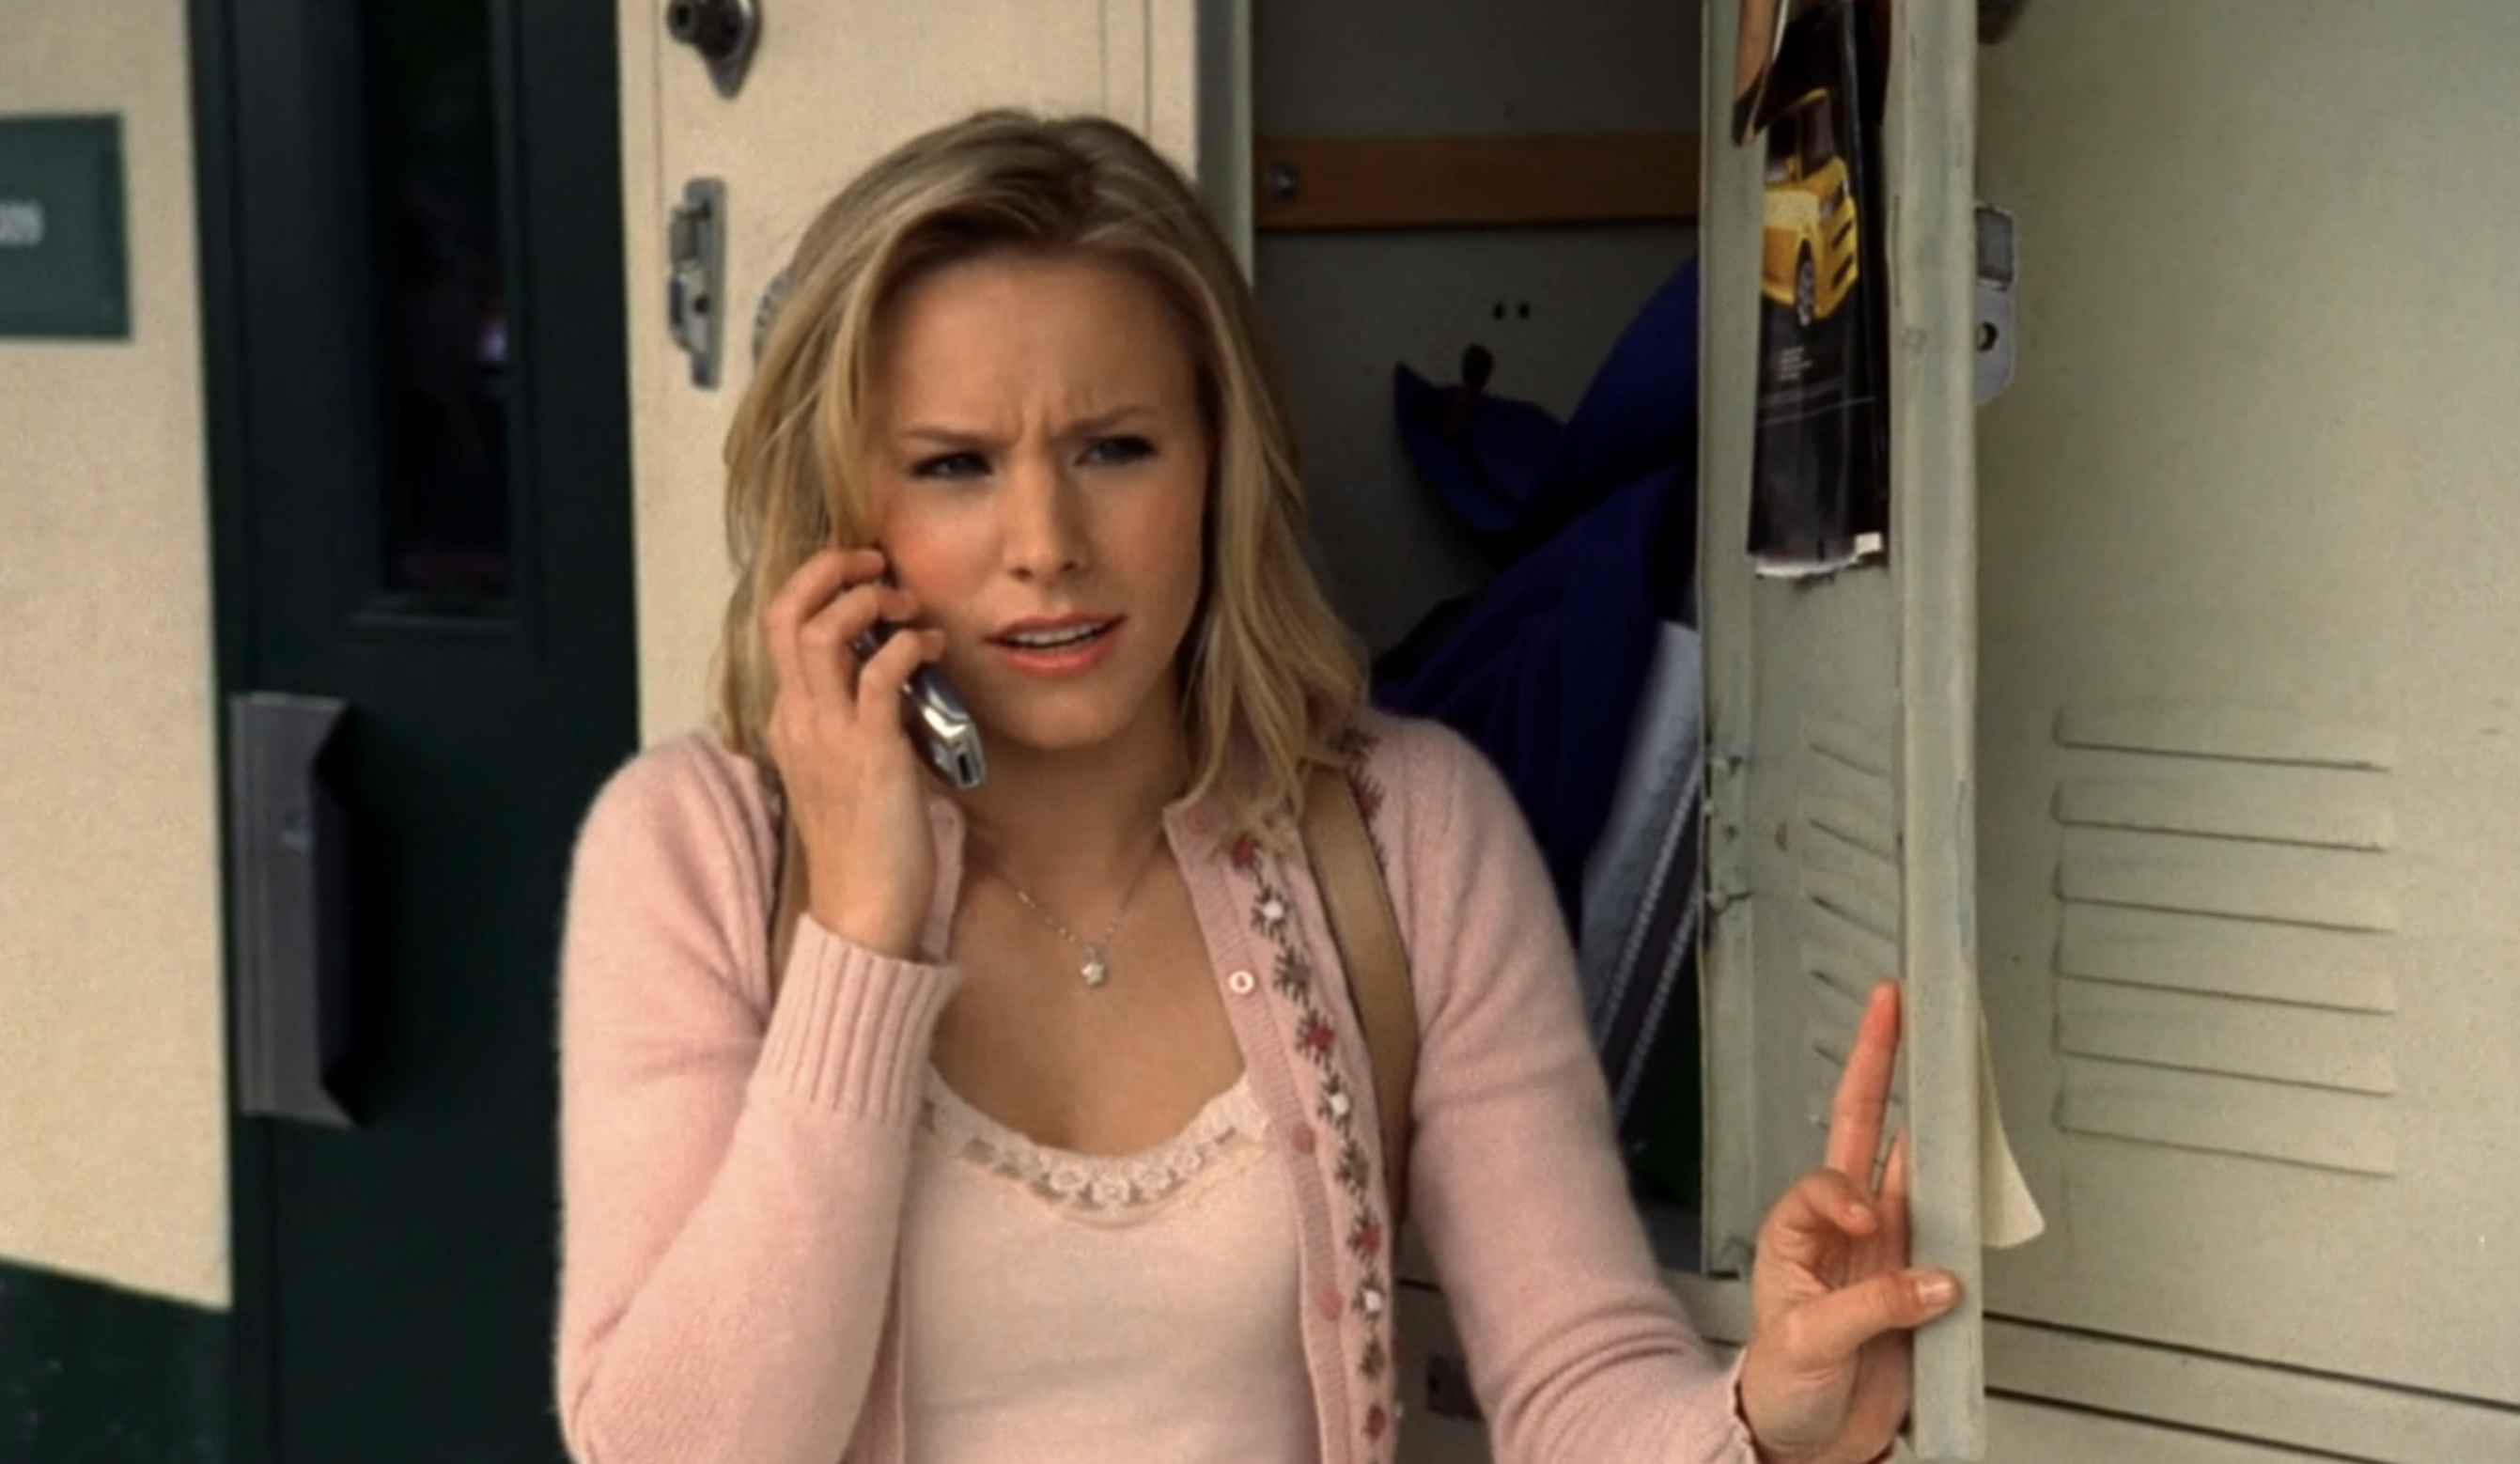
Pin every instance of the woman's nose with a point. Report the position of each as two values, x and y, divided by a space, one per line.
1041 524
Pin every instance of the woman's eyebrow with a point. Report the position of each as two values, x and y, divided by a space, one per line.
962 440
1101 423
946 438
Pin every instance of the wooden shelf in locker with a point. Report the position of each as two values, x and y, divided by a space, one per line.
1303 184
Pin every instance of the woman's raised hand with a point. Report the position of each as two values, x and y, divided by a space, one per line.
855 792
1824 1377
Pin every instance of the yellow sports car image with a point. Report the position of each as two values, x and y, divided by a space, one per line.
1808 261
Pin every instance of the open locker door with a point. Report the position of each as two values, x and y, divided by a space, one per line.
1840 705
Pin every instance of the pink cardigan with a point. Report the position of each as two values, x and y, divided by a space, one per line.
734 1171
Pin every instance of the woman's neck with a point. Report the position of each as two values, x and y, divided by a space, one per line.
1079 816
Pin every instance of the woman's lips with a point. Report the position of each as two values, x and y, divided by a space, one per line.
1056 649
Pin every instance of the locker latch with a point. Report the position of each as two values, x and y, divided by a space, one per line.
695 276
1995 273
725 33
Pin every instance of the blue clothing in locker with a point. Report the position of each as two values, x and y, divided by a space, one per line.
1543 667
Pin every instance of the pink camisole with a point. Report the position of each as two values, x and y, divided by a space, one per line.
1063 1307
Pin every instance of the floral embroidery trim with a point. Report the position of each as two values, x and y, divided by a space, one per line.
1357 746
1366 1235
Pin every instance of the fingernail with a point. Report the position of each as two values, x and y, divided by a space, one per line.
1937 1290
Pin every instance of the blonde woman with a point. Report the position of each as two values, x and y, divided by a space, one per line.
1049 1133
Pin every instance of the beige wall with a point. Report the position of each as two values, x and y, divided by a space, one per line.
113 1148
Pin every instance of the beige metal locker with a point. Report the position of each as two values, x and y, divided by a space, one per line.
2250 812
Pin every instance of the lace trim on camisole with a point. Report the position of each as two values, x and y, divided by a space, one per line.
1091 1183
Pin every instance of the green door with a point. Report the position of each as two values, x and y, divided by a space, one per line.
413 308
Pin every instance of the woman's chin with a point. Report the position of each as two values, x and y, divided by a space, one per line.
1040 730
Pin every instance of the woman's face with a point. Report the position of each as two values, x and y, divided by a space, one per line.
1040 470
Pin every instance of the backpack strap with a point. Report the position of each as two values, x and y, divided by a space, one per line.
1366 933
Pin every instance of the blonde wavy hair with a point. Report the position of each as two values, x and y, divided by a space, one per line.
1269 679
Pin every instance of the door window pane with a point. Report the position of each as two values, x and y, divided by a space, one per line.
442 327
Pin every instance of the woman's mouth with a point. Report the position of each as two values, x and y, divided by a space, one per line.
1056 649
1059 639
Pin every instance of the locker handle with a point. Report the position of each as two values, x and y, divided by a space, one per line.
289 907
696 277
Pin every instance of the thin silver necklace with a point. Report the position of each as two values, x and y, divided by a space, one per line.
1097 968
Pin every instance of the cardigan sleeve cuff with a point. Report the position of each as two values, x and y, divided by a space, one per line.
850 1030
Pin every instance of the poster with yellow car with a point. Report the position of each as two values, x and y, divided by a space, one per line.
1808 255
1808 96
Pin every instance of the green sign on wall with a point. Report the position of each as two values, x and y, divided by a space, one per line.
64 270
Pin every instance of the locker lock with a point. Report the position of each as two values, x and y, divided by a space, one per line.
725 33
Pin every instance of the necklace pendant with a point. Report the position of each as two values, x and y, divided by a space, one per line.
1095 971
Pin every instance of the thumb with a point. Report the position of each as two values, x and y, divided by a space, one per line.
1827 1330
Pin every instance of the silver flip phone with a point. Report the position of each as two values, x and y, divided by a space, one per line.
934 717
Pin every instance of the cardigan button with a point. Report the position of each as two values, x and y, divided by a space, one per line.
1242 983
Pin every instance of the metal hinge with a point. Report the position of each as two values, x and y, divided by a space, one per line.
1727 873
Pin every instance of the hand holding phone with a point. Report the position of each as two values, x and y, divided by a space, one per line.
933 718
854 798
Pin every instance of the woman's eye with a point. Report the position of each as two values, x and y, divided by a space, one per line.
1114 450
952 465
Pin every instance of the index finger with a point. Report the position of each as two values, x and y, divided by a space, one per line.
1856 1116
